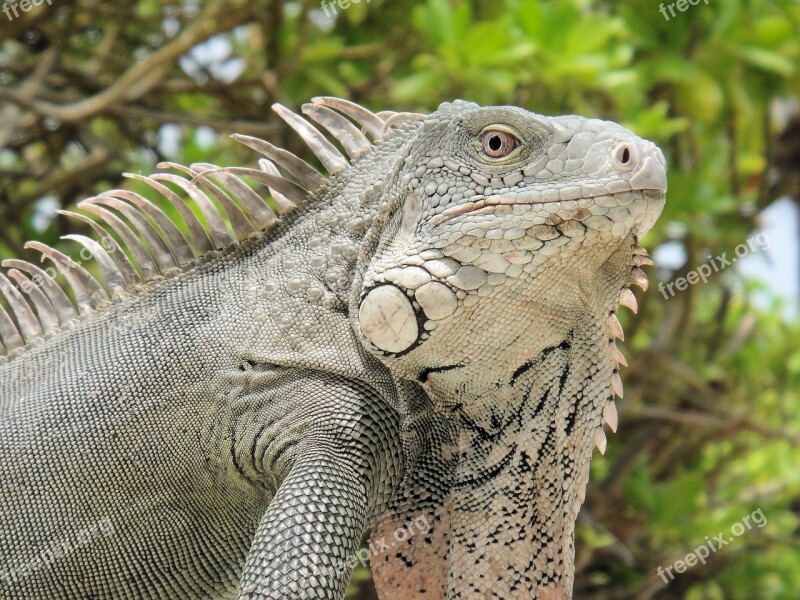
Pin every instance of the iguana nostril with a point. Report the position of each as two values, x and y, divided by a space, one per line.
625 156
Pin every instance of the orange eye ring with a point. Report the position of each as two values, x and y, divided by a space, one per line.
498 143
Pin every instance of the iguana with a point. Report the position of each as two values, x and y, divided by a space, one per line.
420 343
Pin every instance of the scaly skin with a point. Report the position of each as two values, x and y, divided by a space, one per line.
427 340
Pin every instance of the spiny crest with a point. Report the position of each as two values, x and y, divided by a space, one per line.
37 306
628 300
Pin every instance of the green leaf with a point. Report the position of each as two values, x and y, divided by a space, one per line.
769 61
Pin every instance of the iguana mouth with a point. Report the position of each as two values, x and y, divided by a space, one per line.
648 178
531 198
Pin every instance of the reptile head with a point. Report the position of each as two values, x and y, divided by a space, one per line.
494 283
508 229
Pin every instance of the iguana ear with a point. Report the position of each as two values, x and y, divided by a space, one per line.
397 316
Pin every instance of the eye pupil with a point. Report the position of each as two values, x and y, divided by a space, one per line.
498 143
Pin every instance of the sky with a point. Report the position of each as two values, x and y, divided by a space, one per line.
774 259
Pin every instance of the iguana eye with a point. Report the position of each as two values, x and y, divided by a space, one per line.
498 143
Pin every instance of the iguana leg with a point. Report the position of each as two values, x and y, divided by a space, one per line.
347 464
313 526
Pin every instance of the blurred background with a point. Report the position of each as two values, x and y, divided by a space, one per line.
710 423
